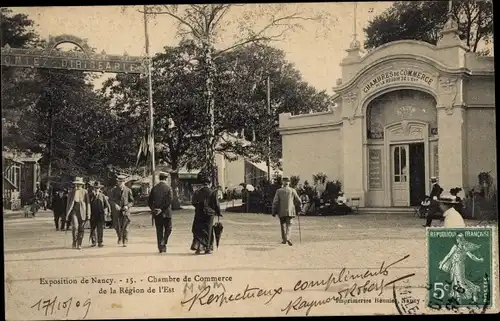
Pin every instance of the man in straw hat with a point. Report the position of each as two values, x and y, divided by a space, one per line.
436 191
77 211
160 203
99 206
285 202
121 200
452 219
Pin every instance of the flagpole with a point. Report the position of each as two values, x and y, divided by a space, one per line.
269 135
151 142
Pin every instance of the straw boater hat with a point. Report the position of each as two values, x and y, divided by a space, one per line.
121 177
434 179
448 199
285 179
78 180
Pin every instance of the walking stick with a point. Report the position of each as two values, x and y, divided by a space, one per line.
300 234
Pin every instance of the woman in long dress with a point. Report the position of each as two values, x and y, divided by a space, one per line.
454 264
206 206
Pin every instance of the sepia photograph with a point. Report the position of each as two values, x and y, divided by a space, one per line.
249 160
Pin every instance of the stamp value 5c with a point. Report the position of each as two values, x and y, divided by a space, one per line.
460 267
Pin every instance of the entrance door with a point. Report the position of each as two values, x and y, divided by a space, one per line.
399 175
417 173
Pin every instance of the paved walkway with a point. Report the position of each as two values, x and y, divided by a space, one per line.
250 254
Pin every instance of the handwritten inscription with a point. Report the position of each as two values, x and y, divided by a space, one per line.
207 297
52 307
359 284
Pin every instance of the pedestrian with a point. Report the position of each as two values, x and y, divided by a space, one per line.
63 218
285 202
59 208
206 204
77 211
452 219
121 200
434 211
160 203
99 207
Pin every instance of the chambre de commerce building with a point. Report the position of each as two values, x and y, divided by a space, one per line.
405 112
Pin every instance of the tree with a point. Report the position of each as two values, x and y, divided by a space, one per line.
17 83
424 20
178 95
205 23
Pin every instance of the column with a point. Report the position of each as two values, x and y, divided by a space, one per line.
353 147
353 159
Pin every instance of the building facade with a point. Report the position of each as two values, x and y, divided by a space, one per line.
21 176
404 112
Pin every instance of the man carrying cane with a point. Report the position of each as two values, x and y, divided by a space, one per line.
77 211
121 200
286 201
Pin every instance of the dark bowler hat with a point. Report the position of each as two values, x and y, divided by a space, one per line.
97 184
203 178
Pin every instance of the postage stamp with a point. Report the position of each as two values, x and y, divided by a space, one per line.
460 267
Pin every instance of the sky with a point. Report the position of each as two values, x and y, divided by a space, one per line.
315 50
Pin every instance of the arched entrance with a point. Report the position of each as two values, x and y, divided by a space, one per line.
401 147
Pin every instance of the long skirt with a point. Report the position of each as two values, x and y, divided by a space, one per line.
203 233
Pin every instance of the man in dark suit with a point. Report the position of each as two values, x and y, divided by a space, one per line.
434 210
59 208
121 200
99 206
160 203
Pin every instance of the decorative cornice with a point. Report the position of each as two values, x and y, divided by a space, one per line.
393 58
310 128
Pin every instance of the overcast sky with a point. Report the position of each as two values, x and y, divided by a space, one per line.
316 54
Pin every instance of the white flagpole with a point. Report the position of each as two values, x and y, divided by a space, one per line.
150 92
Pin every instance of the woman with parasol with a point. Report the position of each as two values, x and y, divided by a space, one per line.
206 206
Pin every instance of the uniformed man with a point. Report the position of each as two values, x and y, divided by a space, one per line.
121 200
99 207
160 203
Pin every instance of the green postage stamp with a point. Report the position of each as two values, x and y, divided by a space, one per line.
460 268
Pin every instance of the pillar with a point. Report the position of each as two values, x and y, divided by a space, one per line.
353 183
452 153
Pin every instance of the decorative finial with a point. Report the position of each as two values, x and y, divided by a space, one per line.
355 44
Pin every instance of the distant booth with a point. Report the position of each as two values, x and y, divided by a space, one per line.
21 175
403 113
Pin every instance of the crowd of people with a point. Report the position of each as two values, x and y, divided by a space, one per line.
76 206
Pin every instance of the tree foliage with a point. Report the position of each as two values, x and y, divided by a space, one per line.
32 99
424 20
240 102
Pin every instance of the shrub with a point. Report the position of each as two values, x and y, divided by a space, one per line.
319 178
294 181
332 190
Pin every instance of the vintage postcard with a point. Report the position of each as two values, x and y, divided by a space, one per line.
249 160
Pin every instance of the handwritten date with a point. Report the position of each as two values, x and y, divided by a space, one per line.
56 305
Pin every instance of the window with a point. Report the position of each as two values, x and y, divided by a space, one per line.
400 166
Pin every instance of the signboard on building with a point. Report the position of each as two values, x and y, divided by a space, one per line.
86 60
399 75
375 169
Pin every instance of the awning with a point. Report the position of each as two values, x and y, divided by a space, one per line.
263 167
